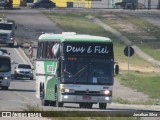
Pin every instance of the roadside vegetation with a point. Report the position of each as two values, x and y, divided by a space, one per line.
147 80
140 32
78 23
143 82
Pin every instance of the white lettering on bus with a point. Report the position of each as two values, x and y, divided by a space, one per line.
99 49
89 49
74 49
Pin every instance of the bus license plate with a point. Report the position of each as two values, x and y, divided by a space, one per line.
86 97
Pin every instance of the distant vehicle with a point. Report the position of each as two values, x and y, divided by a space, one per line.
42 4
7 32
127 4
6 4
23 70
4 51
5 71
2 3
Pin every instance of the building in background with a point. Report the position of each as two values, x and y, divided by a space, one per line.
142 4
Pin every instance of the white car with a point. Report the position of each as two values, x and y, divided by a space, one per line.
23 71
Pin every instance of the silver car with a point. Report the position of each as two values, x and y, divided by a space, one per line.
23 71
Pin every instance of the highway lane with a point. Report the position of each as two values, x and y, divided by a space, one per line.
21 91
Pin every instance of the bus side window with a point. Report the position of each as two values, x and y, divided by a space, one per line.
58 68
39 50
44 48
47 50
50 50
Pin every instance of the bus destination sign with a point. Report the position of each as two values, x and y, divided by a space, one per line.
88 49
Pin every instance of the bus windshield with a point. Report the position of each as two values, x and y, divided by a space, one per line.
87 71
5 65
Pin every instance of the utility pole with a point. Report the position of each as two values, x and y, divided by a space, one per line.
158 4
149 4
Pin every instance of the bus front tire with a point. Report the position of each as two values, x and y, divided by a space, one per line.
59 104
86 105
102 105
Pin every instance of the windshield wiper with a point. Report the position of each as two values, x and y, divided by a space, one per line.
80 71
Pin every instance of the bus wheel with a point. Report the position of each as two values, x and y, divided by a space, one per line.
59 104
88 105
43 101
4 88
102 105
53 103
81 105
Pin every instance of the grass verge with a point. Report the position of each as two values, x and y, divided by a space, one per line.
124 101
142 82
32 108
140 32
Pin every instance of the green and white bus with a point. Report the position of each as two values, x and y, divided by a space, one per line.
74 68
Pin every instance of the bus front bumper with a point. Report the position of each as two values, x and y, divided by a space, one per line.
4 83
85 98
6 41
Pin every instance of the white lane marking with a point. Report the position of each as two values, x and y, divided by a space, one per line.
20 56
25 63
21 95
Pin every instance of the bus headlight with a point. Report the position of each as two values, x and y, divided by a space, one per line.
11 38
64 90
6 78
106 92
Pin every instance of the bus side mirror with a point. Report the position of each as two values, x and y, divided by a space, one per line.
56 50
116 69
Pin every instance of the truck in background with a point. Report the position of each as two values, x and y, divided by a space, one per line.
7 31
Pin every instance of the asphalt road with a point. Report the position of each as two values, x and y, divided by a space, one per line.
22 92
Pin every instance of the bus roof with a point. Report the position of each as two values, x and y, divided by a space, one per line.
72 37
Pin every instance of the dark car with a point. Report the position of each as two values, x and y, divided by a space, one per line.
43 4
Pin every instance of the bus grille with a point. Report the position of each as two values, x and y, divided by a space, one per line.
84 92
24 72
